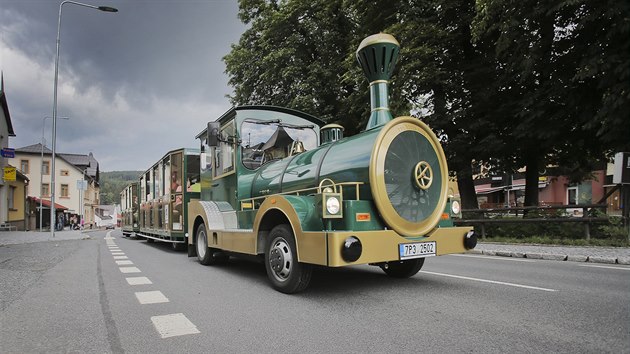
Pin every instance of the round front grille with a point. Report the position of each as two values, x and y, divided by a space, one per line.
408 176
411 201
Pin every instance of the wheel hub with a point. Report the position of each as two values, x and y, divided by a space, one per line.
281 260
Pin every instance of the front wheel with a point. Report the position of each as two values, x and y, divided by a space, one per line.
286 274
403 269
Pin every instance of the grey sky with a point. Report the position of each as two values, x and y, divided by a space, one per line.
135 84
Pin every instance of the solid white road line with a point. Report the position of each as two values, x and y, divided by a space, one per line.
121 257
490 281
129 270
151 297
607 267
493 258
173 325
124 262
138 281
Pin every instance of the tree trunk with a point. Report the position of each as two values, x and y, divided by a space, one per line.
467 187
531 180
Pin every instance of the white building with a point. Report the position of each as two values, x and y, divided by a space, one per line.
70 170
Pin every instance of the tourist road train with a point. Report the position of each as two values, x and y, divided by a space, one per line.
282 185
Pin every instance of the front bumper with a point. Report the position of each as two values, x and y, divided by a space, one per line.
383 245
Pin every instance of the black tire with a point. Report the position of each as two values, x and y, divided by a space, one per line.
206 255
150 240
403 269
286 274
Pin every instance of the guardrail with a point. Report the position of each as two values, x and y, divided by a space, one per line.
485 217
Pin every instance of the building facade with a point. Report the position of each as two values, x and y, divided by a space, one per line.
6 131
71 201
508 190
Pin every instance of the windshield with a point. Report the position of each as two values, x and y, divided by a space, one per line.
264 141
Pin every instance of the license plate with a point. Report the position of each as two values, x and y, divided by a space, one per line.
417 250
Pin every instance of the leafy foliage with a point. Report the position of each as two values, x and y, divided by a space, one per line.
112 183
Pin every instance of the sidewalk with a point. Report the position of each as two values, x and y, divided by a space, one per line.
20 237
609 255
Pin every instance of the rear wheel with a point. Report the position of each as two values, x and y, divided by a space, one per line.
403 269
286 274
206 255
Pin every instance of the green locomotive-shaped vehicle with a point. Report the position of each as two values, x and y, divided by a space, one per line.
278 183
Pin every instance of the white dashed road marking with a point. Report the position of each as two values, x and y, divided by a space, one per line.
139 281
607 267
129 270
491 281
173 325
151 297
167 325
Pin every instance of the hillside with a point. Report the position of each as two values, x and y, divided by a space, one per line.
112 183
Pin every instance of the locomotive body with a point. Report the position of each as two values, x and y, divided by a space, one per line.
278 184
352 201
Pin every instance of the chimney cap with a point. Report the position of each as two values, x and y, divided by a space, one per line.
377 39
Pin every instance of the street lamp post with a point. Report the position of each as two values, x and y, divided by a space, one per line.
41 173
54 118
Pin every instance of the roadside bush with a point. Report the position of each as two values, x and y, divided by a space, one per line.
611 233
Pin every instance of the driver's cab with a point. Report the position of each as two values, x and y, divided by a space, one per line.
239 143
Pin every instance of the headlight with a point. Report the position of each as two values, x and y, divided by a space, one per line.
455 207
332 205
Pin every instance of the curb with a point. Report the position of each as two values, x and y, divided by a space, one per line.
554 256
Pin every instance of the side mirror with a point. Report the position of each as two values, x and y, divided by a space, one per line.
212 134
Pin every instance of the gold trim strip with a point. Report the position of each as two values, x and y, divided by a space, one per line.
298 191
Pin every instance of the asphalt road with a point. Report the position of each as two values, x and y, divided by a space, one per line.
72 296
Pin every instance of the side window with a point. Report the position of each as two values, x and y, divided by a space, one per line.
193 182
224 153
176 173
24 166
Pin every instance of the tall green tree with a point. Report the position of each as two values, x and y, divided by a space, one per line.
449 81
292 55
513 83
563 67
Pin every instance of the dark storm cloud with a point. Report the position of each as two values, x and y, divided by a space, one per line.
143 80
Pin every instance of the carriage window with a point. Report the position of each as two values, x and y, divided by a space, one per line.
193 182
176 173
156 182
224 153
264 141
